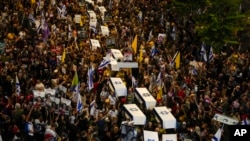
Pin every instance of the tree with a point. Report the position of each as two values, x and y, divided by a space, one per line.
216 21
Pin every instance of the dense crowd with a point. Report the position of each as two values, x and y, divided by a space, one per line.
34 34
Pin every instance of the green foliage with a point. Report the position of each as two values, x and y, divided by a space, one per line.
216 21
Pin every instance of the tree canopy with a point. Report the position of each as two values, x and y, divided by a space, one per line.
216 21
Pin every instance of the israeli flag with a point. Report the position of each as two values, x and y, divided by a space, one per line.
79 104
203 52
211 54
134 82
158 80
153 52
245 122
140 16
103 64
94 29
217 135
18 87
90 78
150 36
62 11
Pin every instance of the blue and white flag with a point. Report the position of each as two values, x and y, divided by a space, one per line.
18 87
194 71
90 79
150 36
153 51
245 122
211 54
158 80
134 82
103 64
31 18
162 20
203 52
140 16
62 11
217 135
93 29
79 104
110 4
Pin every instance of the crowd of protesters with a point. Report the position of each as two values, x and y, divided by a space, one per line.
193 92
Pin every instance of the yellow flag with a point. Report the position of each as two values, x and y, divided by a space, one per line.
159 94
63 55
81 21
33 1
134 44
178 60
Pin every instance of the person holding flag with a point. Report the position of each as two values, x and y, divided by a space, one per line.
76 91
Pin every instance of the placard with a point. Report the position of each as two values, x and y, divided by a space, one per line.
65 101
128 57
150 136
82 33
90 1
93 22
63 89
161 37
92 14
38 93
94 44
169 137
128 133
110 42
50 91
105 30
225 119
78 18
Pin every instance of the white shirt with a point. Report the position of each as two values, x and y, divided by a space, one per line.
30 129
112 100
113 113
